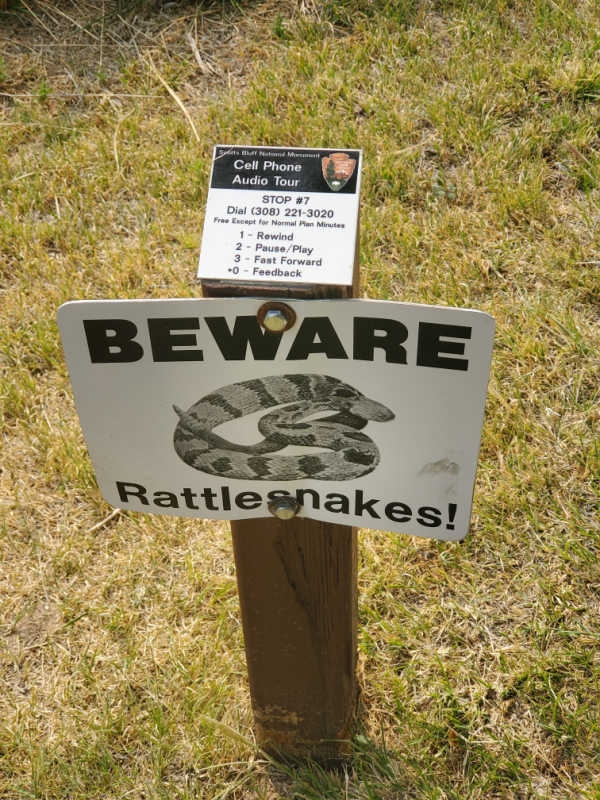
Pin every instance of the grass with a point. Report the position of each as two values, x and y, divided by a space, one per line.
122 671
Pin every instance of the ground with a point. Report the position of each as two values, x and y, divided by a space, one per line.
122 669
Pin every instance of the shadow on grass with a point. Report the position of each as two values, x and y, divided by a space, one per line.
440 757
372 772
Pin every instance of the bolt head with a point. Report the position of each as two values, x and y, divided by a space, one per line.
275 320
284 507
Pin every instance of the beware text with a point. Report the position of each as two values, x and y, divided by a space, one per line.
112 341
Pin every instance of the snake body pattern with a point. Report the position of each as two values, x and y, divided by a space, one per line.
352 453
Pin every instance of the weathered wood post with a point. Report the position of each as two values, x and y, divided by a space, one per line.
297 582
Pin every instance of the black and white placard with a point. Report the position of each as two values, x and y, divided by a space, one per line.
279 214
368 412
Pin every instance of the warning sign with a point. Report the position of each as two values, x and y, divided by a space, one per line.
369 413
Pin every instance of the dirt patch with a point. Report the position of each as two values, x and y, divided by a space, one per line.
36 625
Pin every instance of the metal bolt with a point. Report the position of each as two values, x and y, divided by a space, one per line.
276 316
275 320
284 507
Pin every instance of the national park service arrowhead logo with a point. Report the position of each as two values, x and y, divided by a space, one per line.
338 168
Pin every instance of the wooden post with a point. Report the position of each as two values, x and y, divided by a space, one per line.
297 582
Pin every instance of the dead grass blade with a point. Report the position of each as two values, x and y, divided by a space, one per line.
174 95
205 67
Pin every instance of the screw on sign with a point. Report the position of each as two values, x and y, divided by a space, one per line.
275 321
284 507
276 317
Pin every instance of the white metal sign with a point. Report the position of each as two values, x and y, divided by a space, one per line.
368 412
281 214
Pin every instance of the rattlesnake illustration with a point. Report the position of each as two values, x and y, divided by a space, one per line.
353 453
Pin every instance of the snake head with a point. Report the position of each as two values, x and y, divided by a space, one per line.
350 399
371 409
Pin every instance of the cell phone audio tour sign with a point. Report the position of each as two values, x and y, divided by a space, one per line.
280 214
369 413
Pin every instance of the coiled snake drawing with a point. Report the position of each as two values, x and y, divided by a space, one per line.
353 453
